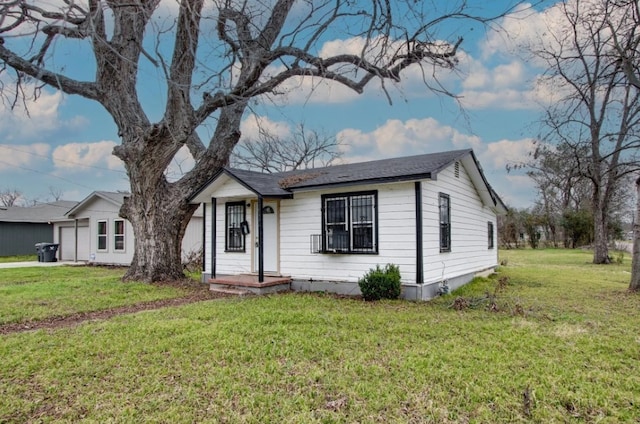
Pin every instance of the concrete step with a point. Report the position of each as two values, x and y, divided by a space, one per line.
229 290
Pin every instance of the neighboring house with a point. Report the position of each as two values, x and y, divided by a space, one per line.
22 227
94 232
322 229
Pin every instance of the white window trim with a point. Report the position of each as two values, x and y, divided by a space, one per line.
105 235
124 237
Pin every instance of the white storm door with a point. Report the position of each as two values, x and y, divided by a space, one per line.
270 234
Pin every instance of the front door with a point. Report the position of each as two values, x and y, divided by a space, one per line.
270 233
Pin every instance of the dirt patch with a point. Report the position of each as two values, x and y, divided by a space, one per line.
196 293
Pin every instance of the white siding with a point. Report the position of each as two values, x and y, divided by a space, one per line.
469 220
97 210
300 218
232 189
192 240
226 262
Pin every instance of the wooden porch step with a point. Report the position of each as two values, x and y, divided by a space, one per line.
249 280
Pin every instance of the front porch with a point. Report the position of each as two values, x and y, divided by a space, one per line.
249 283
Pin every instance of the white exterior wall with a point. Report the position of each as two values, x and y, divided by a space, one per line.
64 233
102 210
300 218
192 240
226 262
469 222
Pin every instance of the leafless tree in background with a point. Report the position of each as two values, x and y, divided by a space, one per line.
598 113
272 153
9 197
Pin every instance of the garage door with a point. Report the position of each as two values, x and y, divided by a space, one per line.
67 243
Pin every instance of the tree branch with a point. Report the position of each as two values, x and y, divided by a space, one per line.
55 80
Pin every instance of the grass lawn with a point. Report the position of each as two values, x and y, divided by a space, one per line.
37 293
19 258
551 338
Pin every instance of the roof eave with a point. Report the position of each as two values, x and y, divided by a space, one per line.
194 198
487 193
386 180
71 212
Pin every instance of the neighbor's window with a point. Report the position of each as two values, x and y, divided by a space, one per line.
102 235
118 235
350 222
490 234
445 222
235 216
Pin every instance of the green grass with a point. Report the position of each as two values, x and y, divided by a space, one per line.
36 293
561 330
19 258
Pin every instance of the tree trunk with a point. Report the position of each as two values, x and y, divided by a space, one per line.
635 261
600 239
157 209
159 218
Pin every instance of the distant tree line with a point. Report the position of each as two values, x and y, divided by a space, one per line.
540 227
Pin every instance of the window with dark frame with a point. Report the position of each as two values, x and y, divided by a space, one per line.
118 235
350 222
445 222
102 235
234 217
490 234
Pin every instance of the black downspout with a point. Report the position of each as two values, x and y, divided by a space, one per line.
213 236
260 242
419 247
204 236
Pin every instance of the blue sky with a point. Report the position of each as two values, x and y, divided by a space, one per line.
65 142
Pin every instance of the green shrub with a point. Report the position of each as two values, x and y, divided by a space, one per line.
381 283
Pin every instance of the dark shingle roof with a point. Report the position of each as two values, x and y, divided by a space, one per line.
258 182
409 168
40 213
385 170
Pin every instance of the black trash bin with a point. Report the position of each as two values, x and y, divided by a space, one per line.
39 250
49 251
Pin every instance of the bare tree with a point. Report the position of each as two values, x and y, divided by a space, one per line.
627 51
55 193
271 153
216 56
600 109
634 285
9 197
561 187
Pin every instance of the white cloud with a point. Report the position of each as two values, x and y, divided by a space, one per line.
80 156
515 81
515 190
501 153
32 119
518 30
16 156
36 119
253 125
397 138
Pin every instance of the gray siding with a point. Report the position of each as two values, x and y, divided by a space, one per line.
19 238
